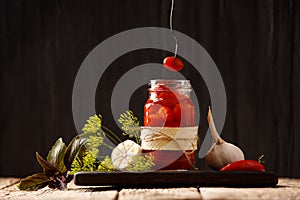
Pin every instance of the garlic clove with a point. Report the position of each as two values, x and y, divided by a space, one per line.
122 154
221 152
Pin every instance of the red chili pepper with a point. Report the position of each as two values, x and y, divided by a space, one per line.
244 165
173 64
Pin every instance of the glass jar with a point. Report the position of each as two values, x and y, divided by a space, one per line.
169 104
170 107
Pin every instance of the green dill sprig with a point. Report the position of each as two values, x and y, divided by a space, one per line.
86 162
94 127
130 125
88 159
106 165
141 163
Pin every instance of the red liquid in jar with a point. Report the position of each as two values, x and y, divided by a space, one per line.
169 107
171 159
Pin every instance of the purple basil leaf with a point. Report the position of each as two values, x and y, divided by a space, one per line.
75 146
60 183
56 155
49 169
34 182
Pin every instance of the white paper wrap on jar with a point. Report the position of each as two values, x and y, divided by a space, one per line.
169 138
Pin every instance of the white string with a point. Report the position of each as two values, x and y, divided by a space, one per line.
171 27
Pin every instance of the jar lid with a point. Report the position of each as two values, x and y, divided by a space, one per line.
170 83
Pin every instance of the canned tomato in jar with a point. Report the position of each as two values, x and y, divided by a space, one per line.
169 104
169 131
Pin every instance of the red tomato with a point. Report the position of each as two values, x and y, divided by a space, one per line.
177 112
173 64
168 99
166 114
184 114
152 108
154 120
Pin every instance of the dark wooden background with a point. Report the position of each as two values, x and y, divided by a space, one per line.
255 44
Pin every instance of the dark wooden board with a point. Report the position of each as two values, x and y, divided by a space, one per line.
158 179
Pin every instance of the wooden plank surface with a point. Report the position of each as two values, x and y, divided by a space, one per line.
168 193
73 193
286 189
6 182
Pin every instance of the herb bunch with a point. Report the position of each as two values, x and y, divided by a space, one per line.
55 167
83 154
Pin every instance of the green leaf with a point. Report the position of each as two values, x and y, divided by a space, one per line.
49 169
75 146
56 155
34 182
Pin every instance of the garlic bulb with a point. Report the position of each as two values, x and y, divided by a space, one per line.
122 154
221 152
